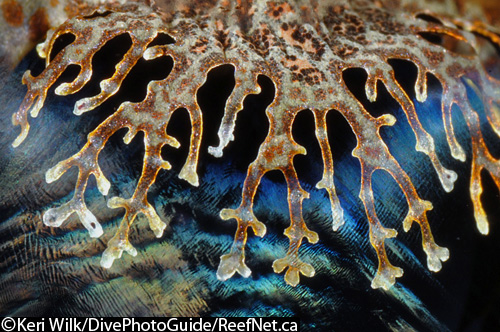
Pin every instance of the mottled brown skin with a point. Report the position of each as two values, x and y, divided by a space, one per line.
303 47
12 12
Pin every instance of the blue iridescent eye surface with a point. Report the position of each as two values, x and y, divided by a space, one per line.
326 128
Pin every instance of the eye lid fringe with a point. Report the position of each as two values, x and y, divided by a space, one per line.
306 76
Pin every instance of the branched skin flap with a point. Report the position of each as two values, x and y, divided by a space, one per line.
303 48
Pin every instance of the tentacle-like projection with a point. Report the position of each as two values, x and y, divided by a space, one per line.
304 48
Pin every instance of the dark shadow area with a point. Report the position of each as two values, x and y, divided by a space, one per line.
309 167
428 18
60 43
449 42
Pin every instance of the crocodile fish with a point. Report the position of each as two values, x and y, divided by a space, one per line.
326 127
